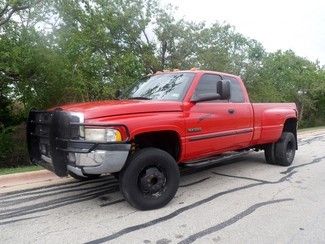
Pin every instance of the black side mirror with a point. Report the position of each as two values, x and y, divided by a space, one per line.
206 97
223 89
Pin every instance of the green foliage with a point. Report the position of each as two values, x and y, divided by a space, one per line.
283 77
5 142
13 147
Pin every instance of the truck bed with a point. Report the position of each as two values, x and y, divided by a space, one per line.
268 120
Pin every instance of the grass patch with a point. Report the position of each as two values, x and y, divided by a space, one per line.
6 171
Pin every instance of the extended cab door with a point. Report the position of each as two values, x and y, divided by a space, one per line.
217 126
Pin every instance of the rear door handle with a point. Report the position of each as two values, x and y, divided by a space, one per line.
231 110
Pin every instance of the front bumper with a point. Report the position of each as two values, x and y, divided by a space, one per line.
54 141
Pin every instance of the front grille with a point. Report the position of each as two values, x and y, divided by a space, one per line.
43 130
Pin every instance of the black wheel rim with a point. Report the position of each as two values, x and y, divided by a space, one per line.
290 151
152 181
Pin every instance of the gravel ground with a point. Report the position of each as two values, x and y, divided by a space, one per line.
238 201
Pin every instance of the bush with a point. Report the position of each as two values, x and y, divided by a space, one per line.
13 148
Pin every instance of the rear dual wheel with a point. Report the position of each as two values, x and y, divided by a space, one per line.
150 179
283 151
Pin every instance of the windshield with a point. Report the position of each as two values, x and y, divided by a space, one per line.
171 86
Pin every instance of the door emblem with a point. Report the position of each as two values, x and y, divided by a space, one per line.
194 129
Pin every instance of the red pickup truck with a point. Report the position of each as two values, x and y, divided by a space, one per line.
167 120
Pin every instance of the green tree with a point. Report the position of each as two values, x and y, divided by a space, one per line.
284 76
105 42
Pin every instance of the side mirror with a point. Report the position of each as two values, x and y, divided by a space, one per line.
223 88
206 97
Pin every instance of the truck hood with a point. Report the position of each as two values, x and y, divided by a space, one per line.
100 109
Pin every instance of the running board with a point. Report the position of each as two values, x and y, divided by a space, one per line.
217 159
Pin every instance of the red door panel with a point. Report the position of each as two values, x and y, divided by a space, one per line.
217 126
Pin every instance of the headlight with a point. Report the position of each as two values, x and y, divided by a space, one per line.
102 135
81 119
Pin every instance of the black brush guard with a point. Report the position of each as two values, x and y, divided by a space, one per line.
51 135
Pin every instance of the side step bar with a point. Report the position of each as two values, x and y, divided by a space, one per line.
217 159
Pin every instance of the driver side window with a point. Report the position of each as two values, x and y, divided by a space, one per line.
207 85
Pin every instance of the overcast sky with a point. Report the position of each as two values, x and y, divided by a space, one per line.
277 24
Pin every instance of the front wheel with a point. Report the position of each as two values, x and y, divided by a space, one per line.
150 179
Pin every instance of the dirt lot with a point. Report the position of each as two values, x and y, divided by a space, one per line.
238 201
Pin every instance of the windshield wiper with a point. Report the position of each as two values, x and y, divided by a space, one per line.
140 98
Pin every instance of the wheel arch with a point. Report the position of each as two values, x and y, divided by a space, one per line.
290 125
167 140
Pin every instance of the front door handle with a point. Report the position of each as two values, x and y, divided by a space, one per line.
231 111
